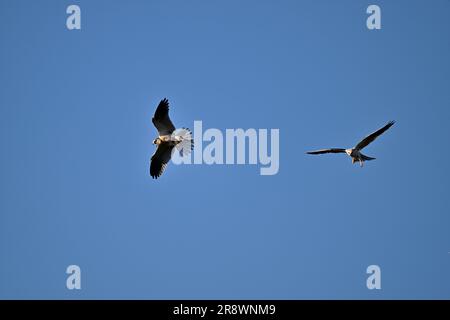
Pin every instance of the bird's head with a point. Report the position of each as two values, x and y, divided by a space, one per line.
157 141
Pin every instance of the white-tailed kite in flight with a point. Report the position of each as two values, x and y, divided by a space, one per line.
168 138
355 153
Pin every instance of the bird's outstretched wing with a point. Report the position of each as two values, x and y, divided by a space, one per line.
333 150
161 119
160 159
371 137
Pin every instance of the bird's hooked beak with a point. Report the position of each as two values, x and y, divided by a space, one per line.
156 141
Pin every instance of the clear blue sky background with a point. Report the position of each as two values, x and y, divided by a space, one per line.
75 137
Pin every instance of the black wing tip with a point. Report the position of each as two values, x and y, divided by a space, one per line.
162 110
155 175
157 169
164 103
389 124
154 172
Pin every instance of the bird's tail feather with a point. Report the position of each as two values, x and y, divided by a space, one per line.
366 158
186 144
189 137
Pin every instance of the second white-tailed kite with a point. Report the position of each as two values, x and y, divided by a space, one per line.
355 153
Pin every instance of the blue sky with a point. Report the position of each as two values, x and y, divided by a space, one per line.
75 136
